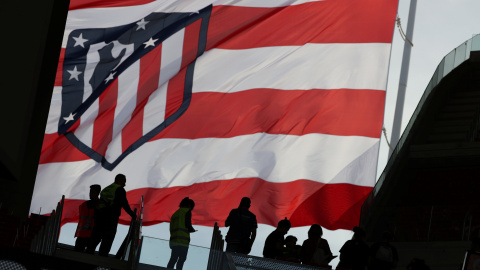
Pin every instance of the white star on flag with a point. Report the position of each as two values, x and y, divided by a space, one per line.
74 73
150 42
110 77
141 24
69 118
79 41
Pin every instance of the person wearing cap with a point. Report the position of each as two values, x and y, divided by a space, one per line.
112 199
86 219
243 228
180 229
275 242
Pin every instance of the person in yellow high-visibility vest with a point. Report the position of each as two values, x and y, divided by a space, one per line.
86 219
112 199
180 229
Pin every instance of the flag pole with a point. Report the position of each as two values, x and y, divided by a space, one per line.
407 47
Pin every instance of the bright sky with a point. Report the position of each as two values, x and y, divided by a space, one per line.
440 26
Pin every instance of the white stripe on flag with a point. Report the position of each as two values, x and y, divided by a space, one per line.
126 103
312 66
172 51
85 130
154 110
180 162
55 109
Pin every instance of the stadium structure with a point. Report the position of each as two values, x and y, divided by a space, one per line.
427 195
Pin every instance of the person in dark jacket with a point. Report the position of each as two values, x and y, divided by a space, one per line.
292 251
275 242
316 250
112 199
86 219
180 229
354 253
243 228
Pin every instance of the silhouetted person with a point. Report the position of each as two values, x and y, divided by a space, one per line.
112 199
180 229
243 228
275 242
292 251
383 256
315 250
310 245
86 219
354 253
417 264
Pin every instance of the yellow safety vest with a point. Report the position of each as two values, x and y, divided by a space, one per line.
107 196
179 234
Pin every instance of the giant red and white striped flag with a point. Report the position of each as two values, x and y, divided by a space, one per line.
278 100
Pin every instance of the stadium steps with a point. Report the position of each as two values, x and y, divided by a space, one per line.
29 230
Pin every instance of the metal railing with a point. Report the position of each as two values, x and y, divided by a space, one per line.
216 249
45 242
129 250
242 261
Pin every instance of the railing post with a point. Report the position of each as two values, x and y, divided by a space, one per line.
216 249
122 251
47 234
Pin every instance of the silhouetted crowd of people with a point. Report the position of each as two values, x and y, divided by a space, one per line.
99 219
355 254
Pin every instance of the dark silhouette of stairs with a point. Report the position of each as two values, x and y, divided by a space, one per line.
9 225
14 233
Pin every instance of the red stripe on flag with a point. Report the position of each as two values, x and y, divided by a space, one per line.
339 21
80 4
103 126
190 43
295 112
59 75
175 91
304 202
57 148
148 83
176 85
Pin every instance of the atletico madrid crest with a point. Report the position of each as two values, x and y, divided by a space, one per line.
123 85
